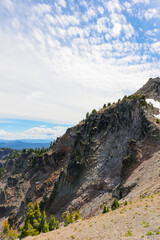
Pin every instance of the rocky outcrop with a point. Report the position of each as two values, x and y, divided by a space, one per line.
151 89
89 165
104 152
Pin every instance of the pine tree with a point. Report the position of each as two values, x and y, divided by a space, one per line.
36 151
37 216
115 204
28 230
39 151
87 115
71 216
53 224
43 224
42 150
57 224
32 221
30 214
28 222
77 215
66 218
105 209
37 212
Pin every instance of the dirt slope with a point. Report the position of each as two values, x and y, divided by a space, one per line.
141 217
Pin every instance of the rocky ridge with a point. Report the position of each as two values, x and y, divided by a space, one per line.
112 153
151 89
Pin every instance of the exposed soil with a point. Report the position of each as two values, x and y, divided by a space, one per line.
140 217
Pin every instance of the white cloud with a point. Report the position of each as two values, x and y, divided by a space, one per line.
42 8
116 29
120 25
35 133
74 31
91 13
63 20
43 133
15 23
7 121
128 7
62 3
83 3
141 1
101 25
151 13
128 29
155 47
100 10
64 74
153 32
34 95
8 4
113 6
58 8
4 133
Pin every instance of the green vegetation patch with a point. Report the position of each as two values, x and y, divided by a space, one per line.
128 234
36 222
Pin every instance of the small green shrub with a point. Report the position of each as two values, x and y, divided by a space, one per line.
66 218
2 172
150 233
94 111
128 233
105 209
115 204
70 217
77 215
145 225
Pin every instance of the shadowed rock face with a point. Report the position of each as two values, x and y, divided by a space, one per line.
88 165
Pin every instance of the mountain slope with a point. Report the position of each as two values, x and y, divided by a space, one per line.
112 153
140 219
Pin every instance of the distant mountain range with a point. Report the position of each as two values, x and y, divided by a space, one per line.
25 143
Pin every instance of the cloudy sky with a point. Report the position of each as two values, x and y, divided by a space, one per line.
61 58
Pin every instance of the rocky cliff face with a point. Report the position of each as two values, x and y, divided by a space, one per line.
98 159
151 89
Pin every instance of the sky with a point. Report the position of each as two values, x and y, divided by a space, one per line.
62 58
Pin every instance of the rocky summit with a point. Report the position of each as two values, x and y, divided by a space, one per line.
114 152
